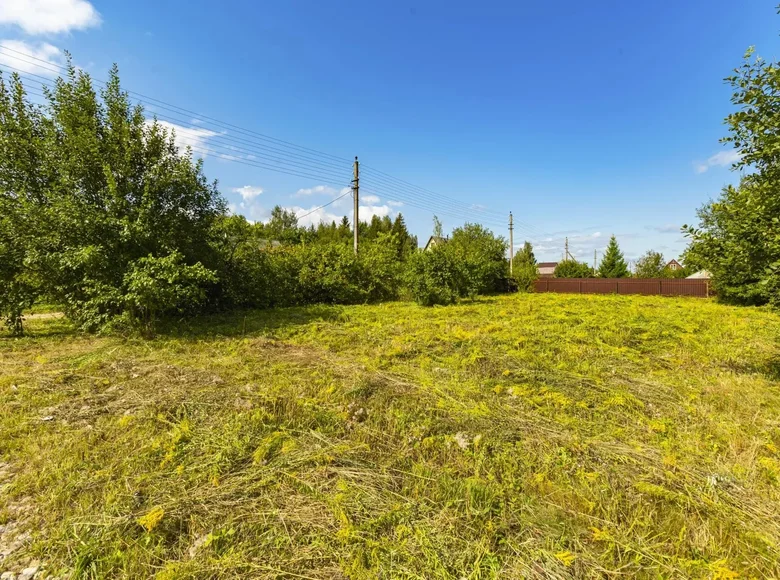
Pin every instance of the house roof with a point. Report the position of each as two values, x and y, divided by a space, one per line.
546 264
433 240
670 262
700 275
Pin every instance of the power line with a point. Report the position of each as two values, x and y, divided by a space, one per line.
258 149
182 109
324 205
302 161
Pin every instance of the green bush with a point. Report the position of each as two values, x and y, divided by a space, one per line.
573 269
326 273
524 276
156 287
436 276
483 256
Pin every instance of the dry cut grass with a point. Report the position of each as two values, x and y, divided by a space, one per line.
526 436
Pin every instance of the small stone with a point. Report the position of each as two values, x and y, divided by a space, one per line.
7 576
47 418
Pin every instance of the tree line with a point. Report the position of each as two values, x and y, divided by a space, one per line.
101 213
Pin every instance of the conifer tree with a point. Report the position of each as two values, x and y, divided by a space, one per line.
613 264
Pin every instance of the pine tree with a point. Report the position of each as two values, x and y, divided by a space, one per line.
613 264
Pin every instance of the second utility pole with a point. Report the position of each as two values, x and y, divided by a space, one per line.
355 204
511 243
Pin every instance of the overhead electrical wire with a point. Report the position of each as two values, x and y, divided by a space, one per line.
302 161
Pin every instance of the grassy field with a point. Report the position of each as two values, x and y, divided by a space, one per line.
524 436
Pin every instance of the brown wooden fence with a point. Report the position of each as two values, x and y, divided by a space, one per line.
644 286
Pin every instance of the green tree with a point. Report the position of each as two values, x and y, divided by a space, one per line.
283 226
738 236
573 269
651 265
405 242
483 255
613 264
438 230
525 256
90 187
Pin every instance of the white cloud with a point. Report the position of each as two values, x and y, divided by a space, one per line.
49 16
720 159
666 229
313 215
26 62
370 199
395 203
317 190
366 212
248 192
189 137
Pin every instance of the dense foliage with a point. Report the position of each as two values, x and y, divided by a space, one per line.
524 269
738 236
613 264
436 276
573 269
652 264
88 188
482 256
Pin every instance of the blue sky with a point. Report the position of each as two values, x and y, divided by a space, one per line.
583 118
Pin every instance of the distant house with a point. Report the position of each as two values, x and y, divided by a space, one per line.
674 265
546 269
700 275
434 241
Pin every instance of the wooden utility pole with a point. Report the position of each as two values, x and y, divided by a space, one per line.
511 244
594 260
355 202
567 255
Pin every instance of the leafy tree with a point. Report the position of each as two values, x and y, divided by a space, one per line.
283 226
738 236
524 269
525 256
650 265
483 255
613 265
572 269
91 187
438 231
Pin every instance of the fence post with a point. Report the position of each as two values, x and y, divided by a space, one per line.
660 287
617 286
580 286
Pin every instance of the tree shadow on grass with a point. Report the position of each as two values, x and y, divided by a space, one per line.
253 322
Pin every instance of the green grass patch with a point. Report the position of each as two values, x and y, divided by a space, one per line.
509 437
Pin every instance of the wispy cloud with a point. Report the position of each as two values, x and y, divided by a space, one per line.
248 192
49 16
665 229
189 137
317 190
720 159
29 61
370 199
395 203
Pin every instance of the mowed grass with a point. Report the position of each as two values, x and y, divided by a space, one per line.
524 436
